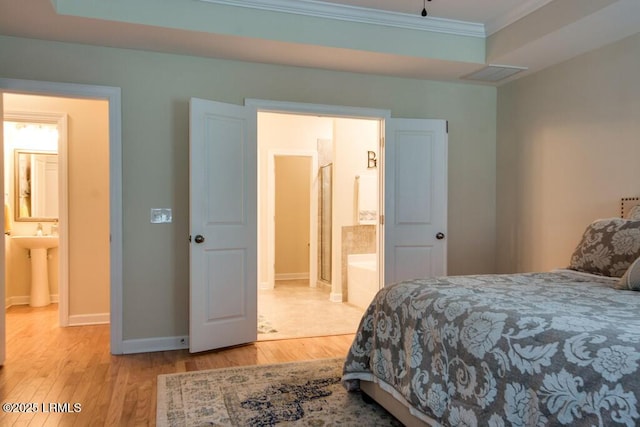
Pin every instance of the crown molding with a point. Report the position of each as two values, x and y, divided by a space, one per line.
341 12
501 21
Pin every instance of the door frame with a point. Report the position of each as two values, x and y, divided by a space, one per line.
271 214
338 111
113 96
60 120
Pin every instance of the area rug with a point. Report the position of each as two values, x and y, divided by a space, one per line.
264 326
288 394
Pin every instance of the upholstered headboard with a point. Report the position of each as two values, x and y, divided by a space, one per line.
626 204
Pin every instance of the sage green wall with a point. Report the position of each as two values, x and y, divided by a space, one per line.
155 92
567 152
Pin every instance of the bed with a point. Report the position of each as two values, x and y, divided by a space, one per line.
530 349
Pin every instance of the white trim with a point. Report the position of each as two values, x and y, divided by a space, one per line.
113 96
63 223
512 15
323 285
25 299
148 345
317 109
335 297
292 276
60 120
340 12
88 319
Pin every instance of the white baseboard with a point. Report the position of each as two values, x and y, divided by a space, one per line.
335 297
88 319
148 345
323 285
264 285
292 276
24 300
74 320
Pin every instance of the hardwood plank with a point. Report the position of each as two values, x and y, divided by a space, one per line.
47 364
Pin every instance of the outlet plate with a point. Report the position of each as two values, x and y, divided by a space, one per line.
161 215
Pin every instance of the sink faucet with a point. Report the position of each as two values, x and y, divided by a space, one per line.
39 230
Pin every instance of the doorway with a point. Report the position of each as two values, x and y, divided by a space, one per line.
292 190
342 153
77 267
35 182
225 159
111 128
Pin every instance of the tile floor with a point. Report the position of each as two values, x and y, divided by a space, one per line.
295 310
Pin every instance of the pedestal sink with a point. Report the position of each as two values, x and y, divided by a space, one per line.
38 246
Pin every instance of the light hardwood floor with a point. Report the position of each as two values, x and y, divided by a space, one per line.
46 364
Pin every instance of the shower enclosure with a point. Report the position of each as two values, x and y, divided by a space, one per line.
325 221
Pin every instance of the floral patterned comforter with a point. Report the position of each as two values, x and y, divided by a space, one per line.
535 349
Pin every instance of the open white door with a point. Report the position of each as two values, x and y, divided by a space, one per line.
223 221
415 169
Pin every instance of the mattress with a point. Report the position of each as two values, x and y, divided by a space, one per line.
535 349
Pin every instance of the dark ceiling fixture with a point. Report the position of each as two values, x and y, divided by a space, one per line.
424 7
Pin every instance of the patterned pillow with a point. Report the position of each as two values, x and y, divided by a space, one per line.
634 213
608 247
631 279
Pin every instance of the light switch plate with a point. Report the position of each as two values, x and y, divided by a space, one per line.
160 215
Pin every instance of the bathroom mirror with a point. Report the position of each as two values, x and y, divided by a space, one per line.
36 185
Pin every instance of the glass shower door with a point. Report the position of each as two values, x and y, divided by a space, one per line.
325 221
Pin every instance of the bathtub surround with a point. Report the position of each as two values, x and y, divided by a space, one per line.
356 239
363 280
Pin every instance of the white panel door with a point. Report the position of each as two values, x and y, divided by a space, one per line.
223 221
415 199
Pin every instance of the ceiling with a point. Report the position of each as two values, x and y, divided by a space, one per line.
549 31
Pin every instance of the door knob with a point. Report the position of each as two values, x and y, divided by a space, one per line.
199 238
439 236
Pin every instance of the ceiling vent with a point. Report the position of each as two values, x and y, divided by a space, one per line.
494 73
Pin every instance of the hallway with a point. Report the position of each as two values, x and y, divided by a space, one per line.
295 310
